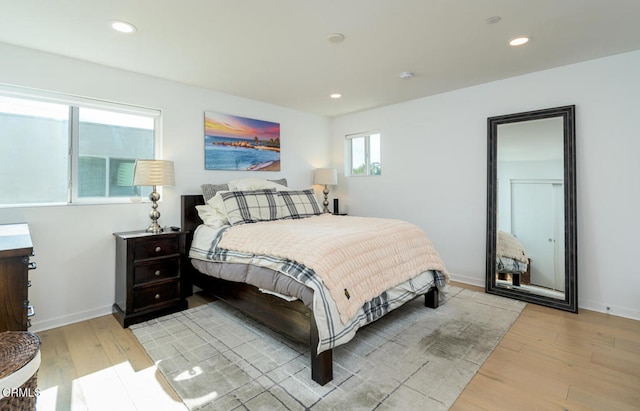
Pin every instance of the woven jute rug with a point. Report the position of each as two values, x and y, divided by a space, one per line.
415 358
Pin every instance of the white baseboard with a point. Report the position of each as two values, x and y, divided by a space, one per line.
37 326
467 280
615 310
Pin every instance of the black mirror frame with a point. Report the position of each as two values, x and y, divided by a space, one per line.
570 302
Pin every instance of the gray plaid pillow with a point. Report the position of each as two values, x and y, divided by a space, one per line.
244 207
299 204
282 182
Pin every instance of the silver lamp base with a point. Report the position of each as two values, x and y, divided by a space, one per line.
154 227
325 203
154 214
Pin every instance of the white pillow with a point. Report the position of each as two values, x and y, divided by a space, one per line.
252 183
213 213
211 217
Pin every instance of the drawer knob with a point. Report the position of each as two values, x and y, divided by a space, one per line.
158 249
157 272
157 297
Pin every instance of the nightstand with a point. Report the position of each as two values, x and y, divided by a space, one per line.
148 280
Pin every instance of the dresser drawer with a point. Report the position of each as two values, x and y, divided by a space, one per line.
155 294
157 270
155 247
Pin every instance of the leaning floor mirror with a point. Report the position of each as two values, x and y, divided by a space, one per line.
531 207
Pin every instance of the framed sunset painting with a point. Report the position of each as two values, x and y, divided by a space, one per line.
240 143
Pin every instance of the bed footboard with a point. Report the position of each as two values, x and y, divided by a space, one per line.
290 318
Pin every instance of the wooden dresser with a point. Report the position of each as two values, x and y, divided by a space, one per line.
148 280
15 250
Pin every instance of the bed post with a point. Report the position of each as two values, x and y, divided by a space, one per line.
431 298
321 364
189 220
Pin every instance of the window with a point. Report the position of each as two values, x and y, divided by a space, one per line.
54 151
108 145
363 154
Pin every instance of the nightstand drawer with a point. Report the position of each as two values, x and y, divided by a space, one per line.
156 247
164 268
156 294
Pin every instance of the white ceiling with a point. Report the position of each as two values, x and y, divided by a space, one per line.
277 51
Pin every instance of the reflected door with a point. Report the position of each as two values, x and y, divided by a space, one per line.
558 198
534 217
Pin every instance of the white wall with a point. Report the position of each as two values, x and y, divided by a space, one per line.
434 170
74 246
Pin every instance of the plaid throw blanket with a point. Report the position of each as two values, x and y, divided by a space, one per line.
332 331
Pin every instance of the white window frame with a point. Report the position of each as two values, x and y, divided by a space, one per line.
367 153
75 103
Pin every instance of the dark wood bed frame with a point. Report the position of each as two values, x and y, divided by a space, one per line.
291 318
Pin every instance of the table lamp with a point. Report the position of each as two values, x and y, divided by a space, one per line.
326 177
153 173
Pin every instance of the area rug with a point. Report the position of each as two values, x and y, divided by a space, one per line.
414 358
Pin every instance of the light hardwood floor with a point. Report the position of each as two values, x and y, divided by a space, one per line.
549 360
553 360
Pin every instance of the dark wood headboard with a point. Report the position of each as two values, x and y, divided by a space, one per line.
189 218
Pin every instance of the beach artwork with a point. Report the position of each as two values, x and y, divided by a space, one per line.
239 143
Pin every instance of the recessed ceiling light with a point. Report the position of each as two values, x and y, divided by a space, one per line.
519 41
122 26
335 95
493 19
405 75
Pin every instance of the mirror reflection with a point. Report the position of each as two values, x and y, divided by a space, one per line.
530 207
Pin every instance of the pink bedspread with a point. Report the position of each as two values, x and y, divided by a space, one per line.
509 246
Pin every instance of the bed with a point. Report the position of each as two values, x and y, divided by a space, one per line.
282 292
512 262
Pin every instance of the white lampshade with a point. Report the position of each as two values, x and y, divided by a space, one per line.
153 173
326 176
